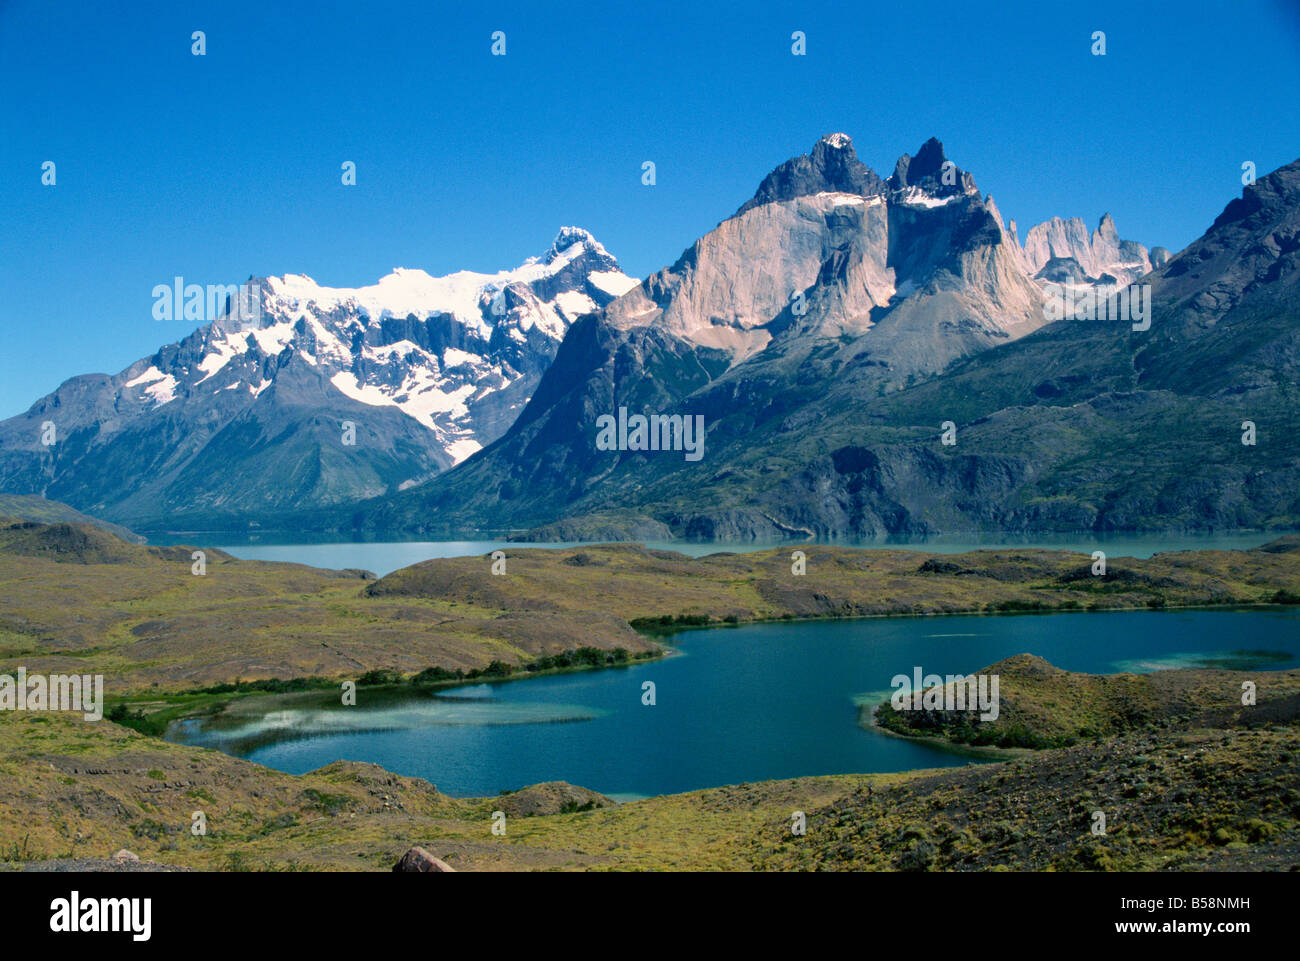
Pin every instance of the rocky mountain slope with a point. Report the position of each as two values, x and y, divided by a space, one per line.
829 330
29 507
247 414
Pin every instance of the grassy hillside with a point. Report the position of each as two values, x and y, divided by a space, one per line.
74 598
32 507
1196 799
647 586
1044 706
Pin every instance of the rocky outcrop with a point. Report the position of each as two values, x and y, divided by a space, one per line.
551 797
831 167
919 267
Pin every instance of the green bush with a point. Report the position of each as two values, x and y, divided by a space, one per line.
278 823
149 828
378 677
435 675
328 803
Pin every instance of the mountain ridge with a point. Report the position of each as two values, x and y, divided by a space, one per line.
1073 425
831 333
425 369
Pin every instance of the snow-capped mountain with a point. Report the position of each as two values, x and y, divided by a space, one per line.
426 369
459 354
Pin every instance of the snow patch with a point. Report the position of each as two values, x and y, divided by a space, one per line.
916 197
162 391
153 373
463 295
574 303
272 340
613 282
223 352
460 449
453 357
419 396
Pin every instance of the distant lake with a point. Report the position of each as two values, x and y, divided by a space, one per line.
384 557
736 704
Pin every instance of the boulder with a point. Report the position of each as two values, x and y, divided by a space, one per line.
419 861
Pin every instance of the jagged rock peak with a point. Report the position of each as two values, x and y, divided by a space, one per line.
1275 192
928 162
1059 249
831 166
566 238
926 170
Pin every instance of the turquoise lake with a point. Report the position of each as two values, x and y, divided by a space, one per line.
733 705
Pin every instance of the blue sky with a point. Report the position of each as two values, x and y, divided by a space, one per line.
226 165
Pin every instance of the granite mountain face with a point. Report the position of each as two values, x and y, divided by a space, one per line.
247 414
917 268
1063 252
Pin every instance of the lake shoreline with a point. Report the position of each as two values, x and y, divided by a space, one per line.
982 753
217 703
253 734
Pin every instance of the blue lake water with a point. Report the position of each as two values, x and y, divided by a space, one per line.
384 557
736 704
